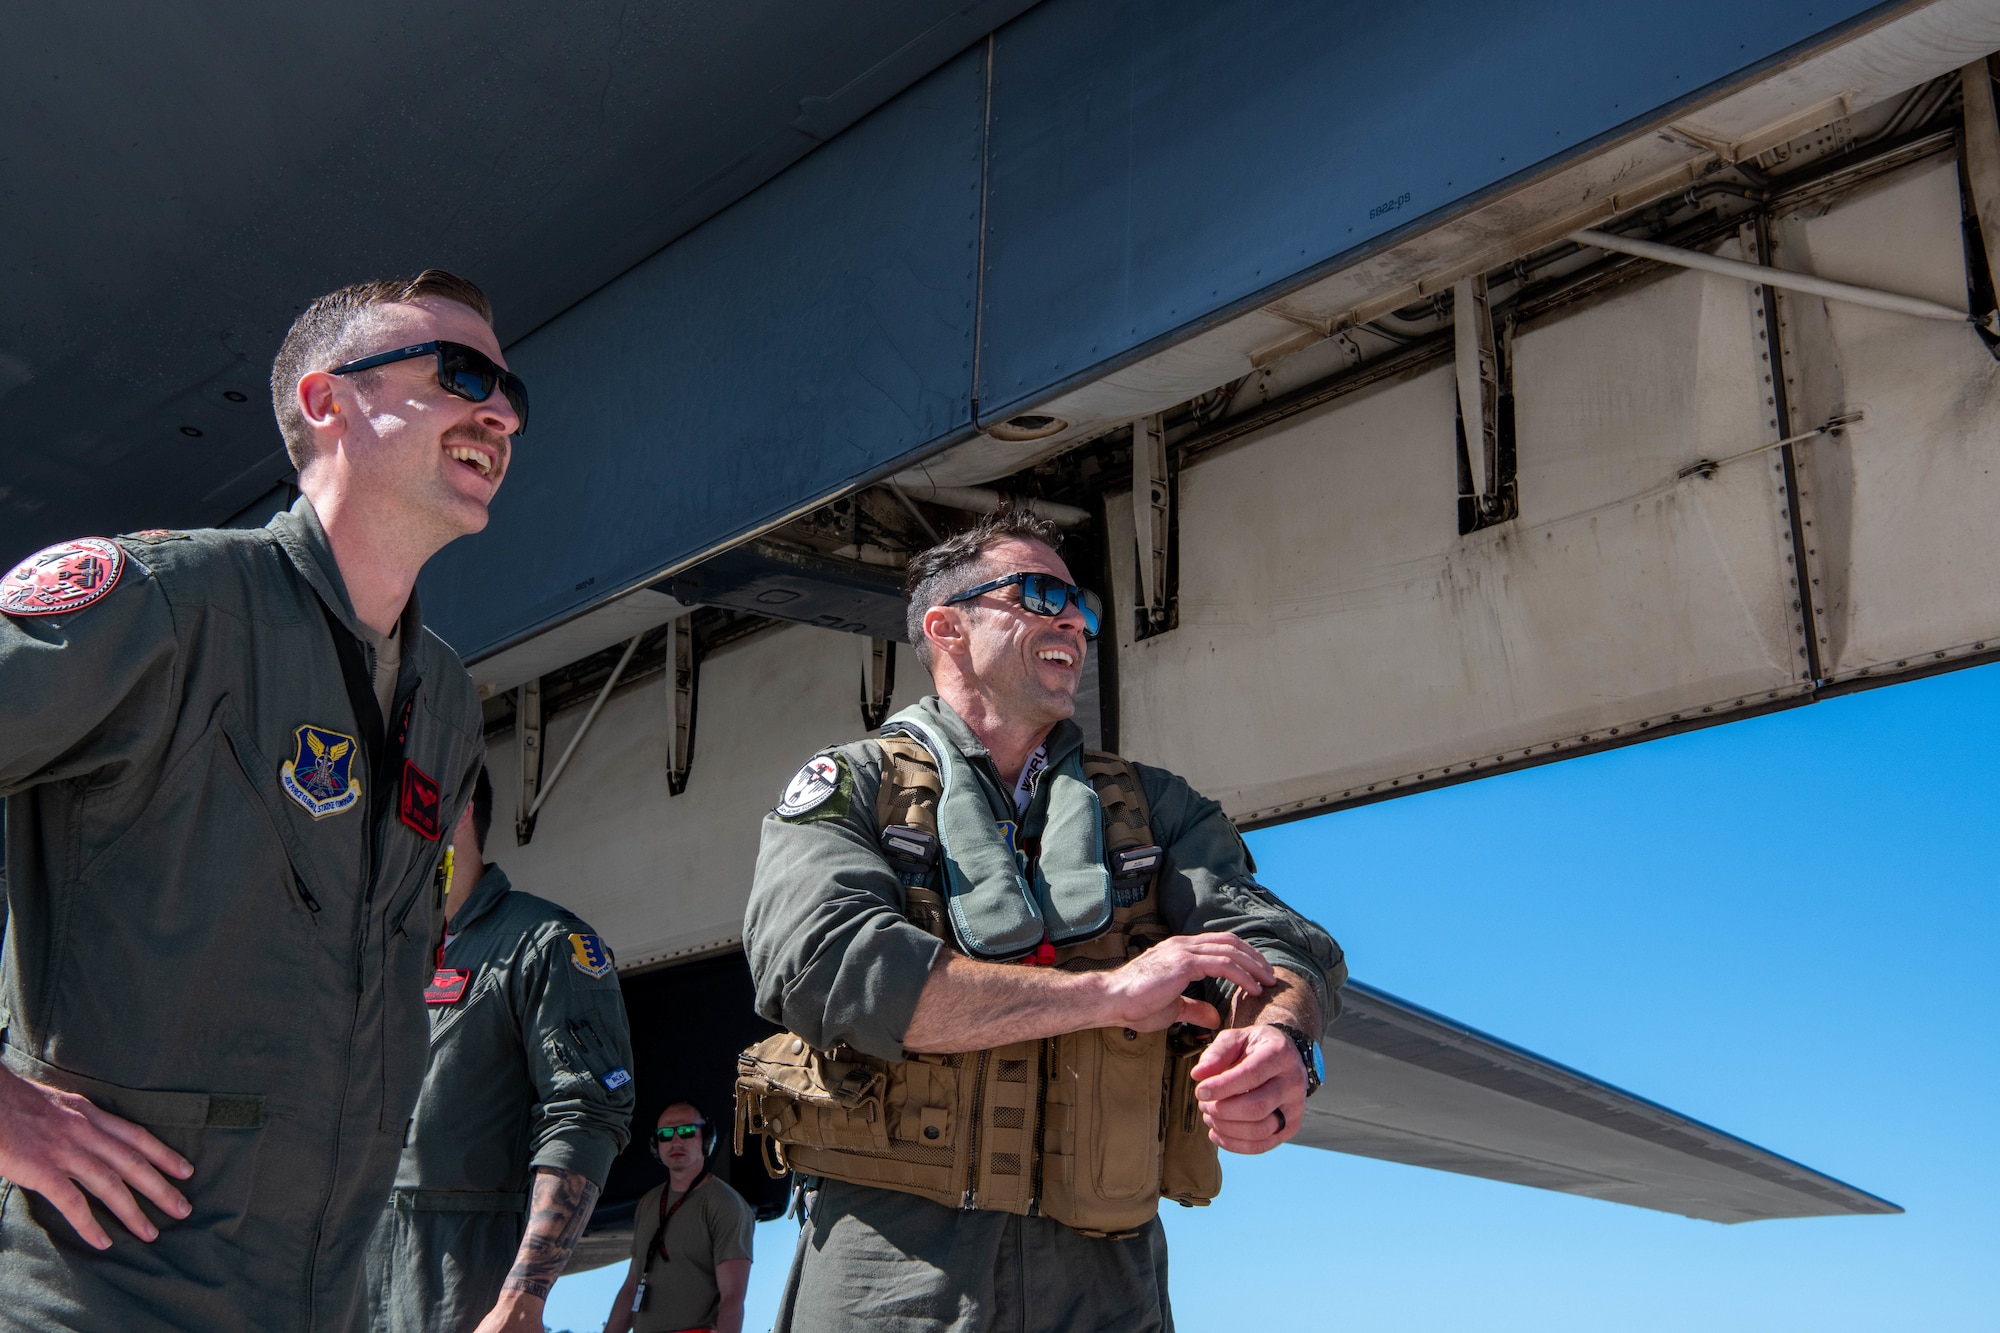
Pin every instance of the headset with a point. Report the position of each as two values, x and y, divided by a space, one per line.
710 1134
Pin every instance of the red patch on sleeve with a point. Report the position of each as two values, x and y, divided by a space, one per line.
418 806
62 578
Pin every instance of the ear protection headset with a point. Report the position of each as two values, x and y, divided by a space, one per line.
710 1135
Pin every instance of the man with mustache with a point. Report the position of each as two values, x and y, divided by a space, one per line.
229 760
1004 961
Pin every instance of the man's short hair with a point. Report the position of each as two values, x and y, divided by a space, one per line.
482 808
935 576
337 327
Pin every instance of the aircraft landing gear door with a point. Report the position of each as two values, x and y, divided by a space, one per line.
528 724
683 676
1486 477
878 680
1982 179
1151 521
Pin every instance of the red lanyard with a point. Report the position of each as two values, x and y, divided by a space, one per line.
667 1214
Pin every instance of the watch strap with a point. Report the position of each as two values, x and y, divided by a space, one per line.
1308 1054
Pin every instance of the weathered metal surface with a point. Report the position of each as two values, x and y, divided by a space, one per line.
1321 560
665 878
1899 505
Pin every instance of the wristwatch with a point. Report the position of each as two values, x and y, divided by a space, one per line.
1309 1053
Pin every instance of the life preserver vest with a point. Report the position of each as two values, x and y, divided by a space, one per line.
1091 1129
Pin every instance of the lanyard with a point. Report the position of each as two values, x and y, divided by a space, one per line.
667 1214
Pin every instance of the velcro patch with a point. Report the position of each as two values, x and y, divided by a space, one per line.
62 578
616 1079
447 986
418 805
822 789
319 774
589 955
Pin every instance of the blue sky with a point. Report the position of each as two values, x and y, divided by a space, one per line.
1786 927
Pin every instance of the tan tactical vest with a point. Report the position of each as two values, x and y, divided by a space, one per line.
1091 1128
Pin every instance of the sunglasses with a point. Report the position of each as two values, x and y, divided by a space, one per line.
672 1132
1045 595
464 372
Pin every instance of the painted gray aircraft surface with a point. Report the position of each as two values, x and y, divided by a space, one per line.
1487 383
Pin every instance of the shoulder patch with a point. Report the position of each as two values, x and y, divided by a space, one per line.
588 955
62 578
822 789
154 536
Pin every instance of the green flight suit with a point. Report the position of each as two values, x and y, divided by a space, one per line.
835 961
530 1066
222 912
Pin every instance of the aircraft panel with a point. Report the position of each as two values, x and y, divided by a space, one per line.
804 338
1895 501
1407 1085
666 877
1147 157
1389 650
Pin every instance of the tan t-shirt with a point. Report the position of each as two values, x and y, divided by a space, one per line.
712 1227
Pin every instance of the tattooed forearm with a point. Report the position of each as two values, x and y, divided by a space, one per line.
561 1204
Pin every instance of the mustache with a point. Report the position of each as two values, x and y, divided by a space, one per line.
465 432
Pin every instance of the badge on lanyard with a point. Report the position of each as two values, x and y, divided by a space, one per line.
448 986
317 775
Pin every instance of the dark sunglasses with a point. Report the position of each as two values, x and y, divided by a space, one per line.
1045 595
464 372
672 1132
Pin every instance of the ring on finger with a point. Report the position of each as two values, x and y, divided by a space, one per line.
1280 1113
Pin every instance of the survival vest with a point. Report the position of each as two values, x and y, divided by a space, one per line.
1091 1129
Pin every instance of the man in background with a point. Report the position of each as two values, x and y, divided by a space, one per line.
527 1099
691 1240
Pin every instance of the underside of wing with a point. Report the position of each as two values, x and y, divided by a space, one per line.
1407 1085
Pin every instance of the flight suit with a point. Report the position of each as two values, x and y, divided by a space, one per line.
530 1066
222 910
835 961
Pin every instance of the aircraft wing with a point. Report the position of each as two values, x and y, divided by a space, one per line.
1407 1085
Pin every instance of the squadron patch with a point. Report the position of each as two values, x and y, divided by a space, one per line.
447 986
317 775
62 578
589 955
823 778
418 804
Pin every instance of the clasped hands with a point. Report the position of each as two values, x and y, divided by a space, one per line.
1250 1081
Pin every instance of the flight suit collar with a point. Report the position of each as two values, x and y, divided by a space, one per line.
1063 738
298 530
486 895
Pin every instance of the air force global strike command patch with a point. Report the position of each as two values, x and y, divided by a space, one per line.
589 954
815 789
317 775
65 577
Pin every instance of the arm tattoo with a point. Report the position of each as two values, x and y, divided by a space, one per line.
562 1204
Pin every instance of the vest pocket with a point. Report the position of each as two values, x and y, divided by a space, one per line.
1126 1164
1190 1165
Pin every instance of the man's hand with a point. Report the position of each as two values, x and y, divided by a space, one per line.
1145 993
52 1142
514 1312
1252 1088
